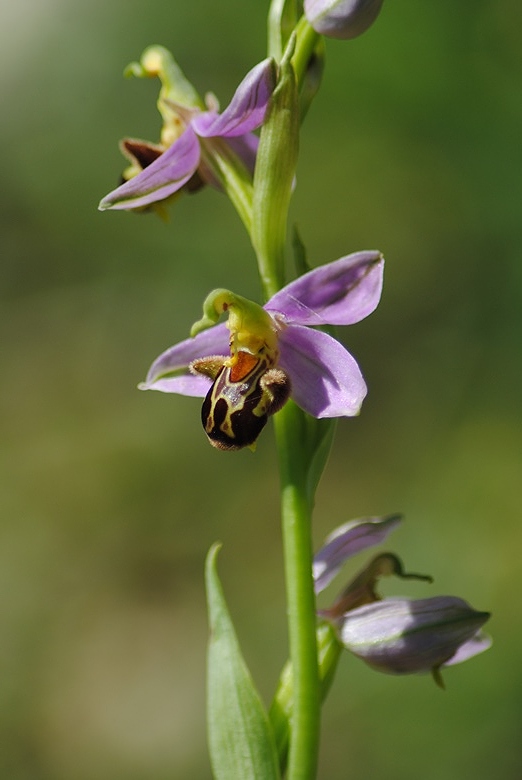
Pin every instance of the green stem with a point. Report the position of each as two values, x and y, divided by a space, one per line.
297 542
273 177
282 17
306 40
273 181
329 650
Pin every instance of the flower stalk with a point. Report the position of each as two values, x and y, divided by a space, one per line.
273 181
282 18
306 41
297 545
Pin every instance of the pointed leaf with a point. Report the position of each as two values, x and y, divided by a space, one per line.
241 740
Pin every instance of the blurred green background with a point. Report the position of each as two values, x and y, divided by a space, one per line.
110 498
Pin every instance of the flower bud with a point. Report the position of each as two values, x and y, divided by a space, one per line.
342 18
401 636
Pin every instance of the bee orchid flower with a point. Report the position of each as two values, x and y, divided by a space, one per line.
194 135
248 367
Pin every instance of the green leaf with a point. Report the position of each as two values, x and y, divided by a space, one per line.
241 740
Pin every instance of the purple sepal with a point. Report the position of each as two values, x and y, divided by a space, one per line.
347 540
326 380
477 644
246 110
170 371
195 385
167 174
402 636
339 293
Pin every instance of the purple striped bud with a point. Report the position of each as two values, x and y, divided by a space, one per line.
402 636
342 18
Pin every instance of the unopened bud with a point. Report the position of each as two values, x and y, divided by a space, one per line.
342 18
401 636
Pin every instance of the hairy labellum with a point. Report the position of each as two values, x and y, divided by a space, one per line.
242 398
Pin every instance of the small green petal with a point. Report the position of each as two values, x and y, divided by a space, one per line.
158 61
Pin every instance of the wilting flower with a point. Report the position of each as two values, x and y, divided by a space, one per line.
192 137
342 18
275 351
395 635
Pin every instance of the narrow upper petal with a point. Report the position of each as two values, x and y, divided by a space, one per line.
246 110
170 373
339 293
167 174
347 540
326 380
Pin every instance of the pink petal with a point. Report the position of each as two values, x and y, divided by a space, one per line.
195 385
167 174
347 540
477 644
339 293
326 380
170 373
246 110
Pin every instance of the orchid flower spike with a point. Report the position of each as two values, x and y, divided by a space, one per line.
193 134
268 354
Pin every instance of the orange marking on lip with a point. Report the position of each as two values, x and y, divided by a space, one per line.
243 365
